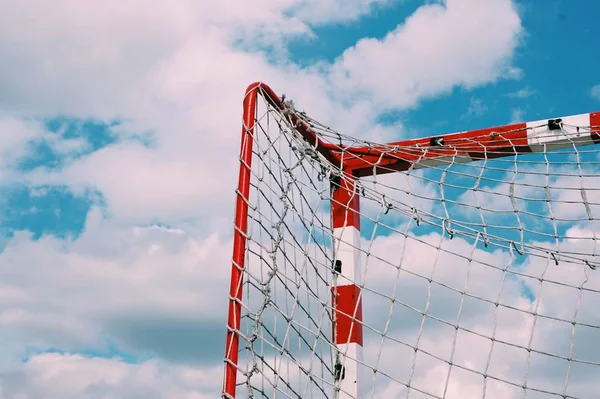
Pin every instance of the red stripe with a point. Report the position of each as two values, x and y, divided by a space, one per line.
239 243
348 303
595 126
496 142
345 204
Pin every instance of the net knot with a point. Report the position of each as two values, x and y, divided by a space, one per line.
590 265
288 106
447 227
514 246
416 217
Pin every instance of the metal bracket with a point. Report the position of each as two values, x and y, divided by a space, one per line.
554 124
339 372
337 266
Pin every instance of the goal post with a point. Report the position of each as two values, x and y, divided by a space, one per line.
474 248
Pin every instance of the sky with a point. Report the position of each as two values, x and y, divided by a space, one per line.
120 123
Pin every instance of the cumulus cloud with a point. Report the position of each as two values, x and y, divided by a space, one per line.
179 76
143 286
57 376
439 47
99 61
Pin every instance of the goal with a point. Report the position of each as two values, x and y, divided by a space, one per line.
457 266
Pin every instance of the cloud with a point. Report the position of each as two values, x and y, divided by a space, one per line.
476 108
184 86
428 55
595 92
317 12
517 115
522 93
64 376
146 288
99 61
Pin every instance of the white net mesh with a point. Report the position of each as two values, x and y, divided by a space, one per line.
477 274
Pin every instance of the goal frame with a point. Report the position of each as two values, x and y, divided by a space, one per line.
356 162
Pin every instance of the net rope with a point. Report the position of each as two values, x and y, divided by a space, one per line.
477 277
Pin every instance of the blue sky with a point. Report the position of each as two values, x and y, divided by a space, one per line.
556 55
122 150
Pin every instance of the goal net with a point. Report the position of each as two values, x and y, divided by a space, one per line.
459 266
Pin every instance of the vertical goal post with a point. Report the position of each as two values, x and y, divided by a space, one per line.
299 275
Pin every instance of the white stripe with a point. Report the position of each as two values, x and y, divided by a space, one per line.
574 131
347 250
350 355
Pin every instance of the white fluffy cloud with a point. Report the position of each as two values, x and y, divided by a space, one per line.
176 72
79 58
141 286
56 376
441 46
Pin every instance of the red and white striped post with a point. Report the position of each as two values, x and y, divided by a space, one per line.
346 294
518 138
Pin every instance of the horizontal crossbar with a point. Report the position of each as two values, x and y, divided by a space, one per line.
474 145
